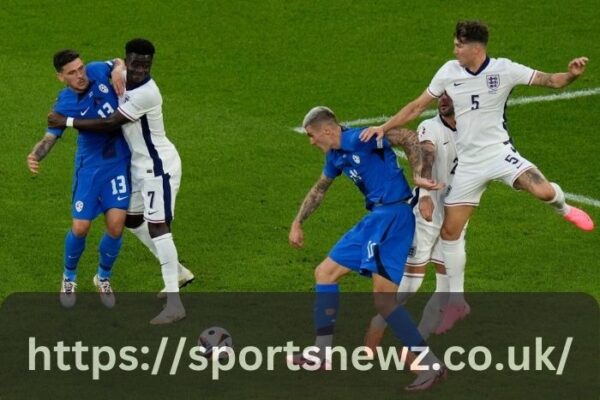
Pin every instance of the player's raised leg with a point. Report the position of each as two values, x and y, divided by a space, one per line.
409 285
399 320
535 183
455 258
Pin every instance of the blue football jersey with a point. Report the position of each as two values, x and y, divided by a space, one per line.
99 100
372 166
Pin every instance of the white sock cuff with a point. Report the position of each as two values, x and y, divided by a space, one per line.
454 246
559 195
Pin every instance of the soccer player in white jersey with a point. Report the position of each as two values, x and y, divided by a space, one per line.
155 168
479 87
437 138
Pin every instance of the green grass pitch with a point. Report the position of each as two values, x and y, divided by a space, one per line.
236 76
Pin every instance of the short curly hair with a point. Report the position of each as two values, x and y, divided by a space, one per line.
471 31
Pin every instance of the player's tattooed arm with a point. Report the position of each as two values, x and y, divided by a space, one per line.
428 158
309 205
314 198
409 142
561 79
40 150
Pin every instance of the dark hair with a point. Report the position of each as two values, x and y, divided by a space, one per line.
140 46
63 57
471 31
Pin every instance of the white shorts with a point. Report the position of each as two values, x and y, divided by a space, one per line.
471 180
154 197
427 243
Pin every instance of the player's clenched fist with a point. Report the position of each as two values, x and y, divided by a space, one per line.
296 236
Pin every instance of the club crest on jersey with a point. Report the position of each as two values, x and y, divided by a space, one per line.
79 205
493 81
103 88
356 158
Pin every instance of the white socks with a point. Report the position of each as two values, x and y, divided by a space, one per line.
143 234
432 314
409 285
558 202
455 259
167 255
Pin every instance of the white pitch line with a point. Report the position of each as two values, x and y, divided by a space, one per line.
511 102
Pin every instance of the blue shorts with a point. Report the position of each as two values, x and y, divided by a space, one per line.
98 189
379 243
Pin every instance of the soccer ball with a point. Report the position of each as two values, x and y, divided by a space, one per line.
212 337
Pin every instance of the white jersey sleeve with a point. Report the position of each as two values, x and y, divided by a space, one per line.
427 131
140 102
519 73
440 80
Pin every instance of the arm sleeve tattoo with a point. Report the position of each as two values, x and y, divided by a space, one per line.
314 198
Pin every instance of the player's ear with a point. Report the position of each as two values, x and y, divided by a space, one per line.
60 77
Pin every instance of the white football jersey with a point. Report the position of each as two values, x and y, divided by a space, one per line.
152 154
443 138
479 103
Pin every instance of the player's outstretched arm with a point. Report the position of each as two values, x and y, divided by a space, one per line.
408 113
101 125
561 79
311 202
40 150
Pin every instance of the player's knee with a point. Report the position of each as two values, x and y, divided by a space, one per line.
115 230
134 221
159 229
81 228
449 233
385 302
326 273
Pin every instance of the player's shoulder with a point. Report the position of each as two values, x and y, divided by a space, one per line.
450 67
97 69
351 139
66 96
430 129
502 63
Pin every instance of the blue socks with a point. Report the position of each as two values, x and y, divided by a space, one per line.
74 247
404 328
326 307
109 250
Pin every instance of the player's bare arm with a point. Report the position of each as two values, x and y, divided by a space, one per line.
408 113
311 202
561 79
428 157
40 150
117 76
408 141
101 125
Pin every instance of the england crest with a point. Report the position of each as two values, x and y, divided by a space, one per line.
493 81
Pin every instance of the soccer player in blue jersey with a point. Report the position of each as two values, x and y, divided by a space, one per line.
155 169
378 245
101 178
